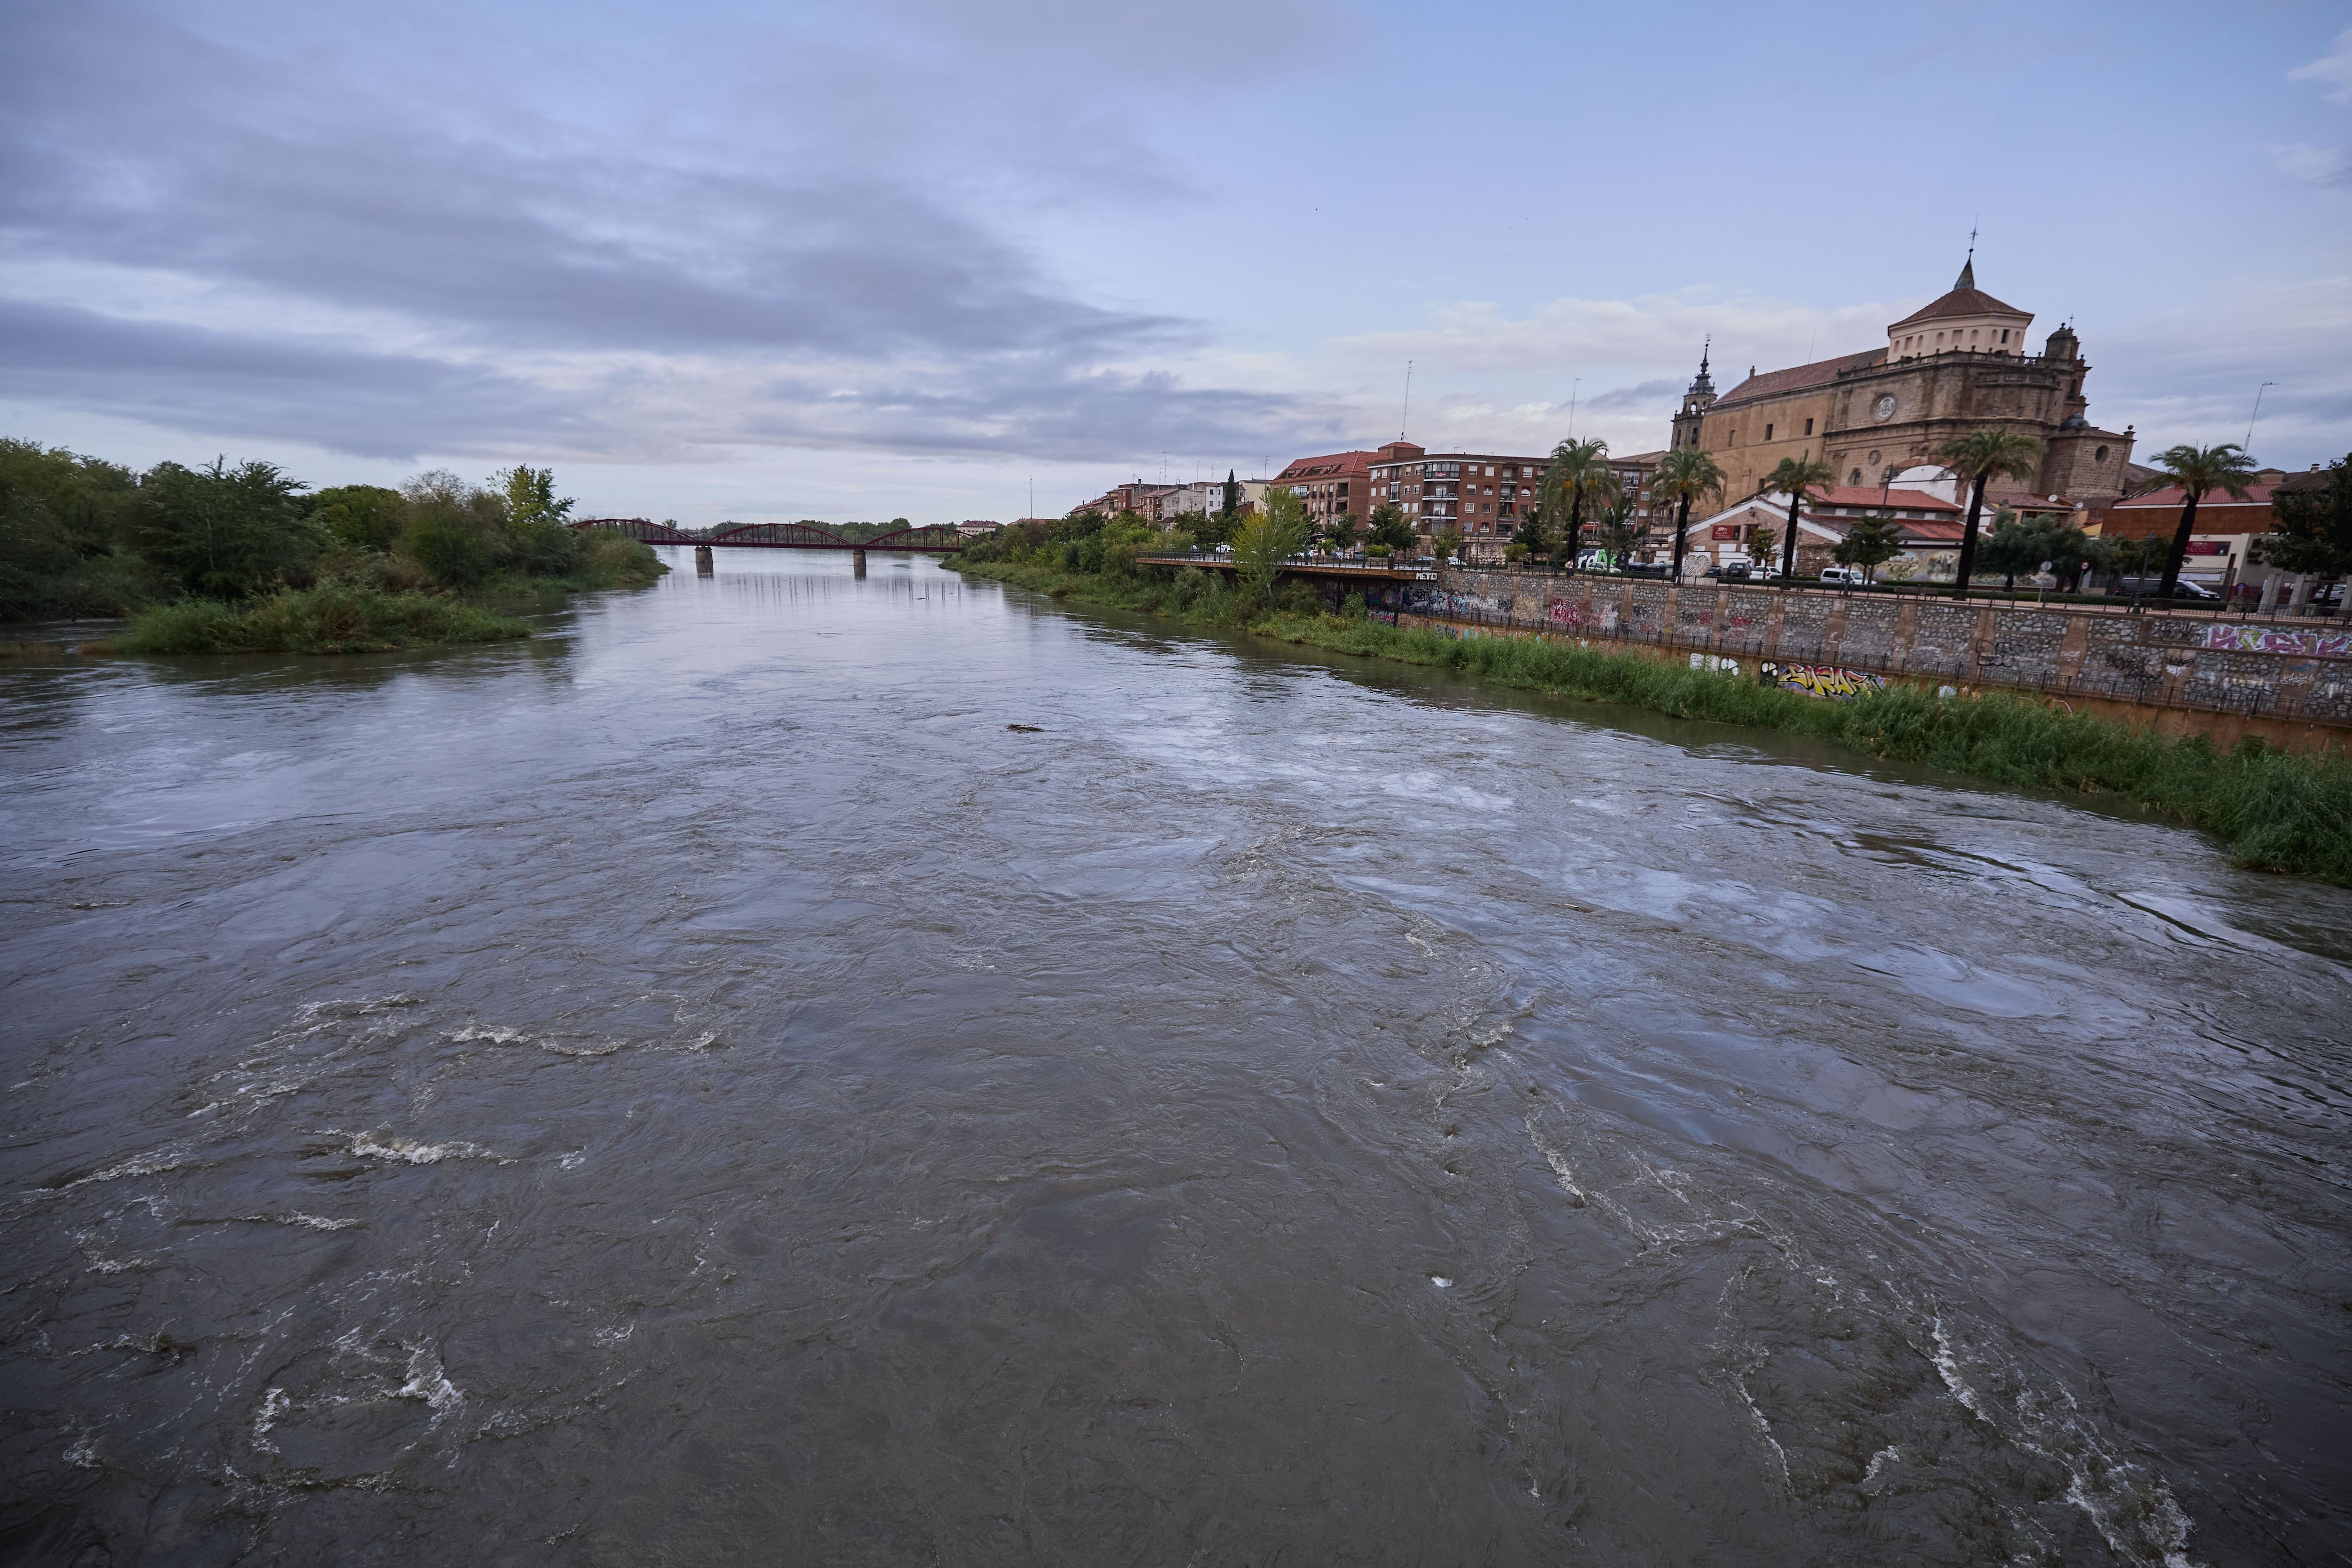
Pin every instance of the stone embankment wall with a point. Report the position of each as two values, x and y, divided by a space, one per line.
2298 671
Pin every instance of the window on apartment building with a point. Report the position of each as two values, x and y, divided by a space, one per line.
1809 427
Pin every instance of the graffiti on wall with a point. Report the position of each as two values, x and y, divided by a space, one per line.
2266 639
1716 662
1822 680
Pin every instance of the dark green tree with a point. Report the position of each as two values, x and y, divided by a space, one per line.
360 516
1795 477
1579 482
1977 458
2198 471
1684 476
2313 531
1391 528
1870 542
1233 497
223 532
1342 533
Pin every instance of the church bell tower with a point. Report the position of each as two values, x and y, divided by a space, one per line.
1695 402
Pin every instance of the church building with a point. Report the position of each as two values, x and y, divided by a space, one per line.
1957 365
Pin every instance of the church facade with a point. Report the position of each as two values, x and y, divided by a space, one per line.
1957 365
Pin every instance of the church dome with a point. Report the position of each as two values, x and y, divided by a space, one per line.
1966 318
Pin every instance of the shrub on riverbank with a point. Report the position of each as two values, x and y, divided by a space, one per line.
333 618
2276 810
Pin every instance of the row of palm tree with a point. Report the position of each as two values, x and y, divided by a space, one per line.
1581 475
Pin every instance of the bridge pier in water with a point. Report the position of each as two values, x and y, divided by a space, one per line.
702 567
857 563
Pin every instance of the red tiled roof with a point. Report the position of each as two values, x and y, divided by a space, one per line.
2026 501
1797 378
1330 461
1876 499
1928 533
2171 496
1958 302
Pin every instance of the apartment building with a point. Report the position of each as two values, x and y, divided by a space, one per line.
1483 496
1333 485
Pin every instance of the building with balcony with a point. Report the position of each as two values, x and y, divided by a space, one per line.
1333 485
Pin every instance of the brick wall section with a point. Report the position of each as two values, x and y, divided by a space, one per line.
2153 658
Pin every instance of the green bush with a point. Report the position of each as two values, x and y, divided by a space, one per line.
331 618
454 545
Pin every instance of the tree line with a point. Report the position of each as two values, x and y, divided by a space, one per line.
82 536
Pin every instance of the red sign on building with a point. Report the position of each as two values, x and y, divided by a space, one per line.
1725 531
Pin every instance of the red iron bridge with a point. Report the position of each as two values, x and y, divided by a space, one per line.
938 539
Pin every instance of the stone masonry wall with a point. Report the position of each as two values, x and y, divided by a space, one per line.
2287 668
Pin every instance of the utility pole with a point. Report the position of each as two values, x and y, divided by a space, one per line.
1572 387
1406 422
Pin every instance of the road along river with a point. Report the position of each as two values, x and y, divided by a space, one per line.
701 1088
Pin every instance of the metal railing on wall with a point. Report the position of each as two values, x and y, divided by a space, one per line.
2147 689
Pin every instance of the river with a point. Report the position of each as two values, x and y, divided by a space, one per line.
703 1087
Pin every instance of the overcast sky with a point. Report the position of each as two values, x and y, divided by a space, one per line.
900 257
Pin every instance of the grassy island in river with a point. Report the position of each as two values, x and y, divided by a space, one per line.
2276 810
224 560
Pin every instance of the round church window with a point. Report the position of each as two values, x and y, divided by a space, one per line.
1873 460
1885 409
2100 455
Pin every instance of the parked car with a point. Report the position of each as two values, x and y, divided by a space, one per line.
2146 588
1841 576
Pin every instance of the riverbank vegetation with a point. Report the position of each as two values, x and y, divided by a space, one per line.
2276 810
246 559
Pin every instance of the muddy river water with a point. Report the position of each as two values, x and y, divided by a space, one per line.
700 1087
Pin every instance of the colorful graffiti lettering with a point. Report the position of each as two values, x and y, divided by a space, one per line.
2263 640
1715 661
1822 680
1565 612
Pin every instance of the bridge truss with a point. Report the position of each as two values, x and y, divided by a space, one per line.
935 539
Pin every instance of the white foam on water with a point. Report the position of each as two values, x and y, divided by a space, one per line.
368 1147
273 1403
1441 1282
2133 1511
428 1382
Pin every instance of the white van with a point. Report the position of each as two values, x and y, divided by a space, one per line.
1849 576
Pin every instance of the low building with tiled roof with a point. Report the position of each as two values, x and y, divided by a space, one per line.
1956 365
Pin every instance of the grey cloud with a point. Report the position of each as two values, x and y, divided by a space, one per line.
1642 396
238 386
147 146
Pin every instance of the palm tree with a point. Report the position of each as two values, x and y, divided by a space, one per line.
1685 475
2198 471
1977 458
1579 472
1796 475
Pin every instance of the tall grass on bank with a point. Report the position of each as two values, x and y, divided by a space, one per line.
333 618
2276 810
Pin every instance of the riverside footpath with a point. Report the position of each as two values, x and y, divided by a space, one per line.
2289 681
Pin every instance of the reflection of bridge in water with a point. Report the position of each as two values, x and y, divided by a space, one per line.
938 539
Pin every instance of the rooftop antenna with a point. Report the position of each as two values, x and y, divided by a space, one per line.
1571 406
1406 422
1033 495
2249 447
